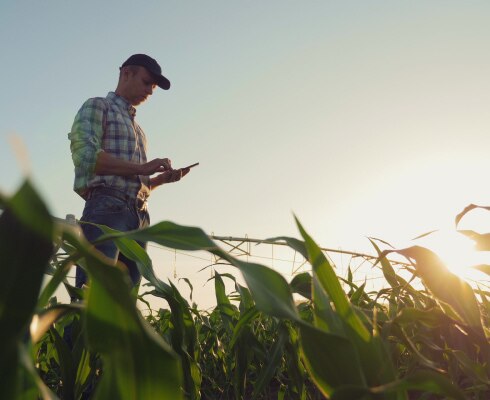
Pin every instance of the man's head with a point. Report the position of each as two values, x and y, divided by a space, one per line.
139 75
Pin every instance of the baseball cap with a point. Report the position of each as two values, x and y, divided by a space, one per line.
151 65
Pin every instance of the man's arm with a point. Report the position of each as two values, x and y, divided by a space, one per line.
86 137
107 164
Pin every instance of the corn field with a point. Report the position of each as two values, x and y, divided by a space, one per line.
259 342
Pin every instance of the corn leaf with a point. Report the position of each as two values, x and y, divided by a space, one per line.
485 268
330 359
445 286
466 210
26 232
374 358
423 381
270 290
243 322
137 362
67 367
301 284
42 322
267 373
325 317
35 388
482 240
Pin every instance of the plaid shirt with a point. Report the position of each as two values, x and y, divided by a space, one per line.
107 124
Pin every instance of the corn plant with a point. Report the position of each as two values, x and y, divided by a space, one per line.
137 363
340 342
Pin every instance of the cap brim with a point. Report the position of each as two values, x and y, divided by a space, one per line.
162 82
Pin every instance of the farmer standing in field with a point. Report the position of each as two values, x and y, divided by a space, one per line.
109 153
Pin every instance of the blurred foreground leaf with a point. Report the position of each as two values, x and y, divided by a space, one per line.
26 231
138 364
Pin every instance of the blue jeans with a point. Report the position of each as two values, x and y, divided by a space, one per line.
116 213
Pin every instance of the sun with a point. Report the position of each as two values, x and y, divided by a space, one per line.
458 253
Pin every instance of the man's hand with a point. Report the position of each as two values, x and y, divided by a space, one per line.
107 164
170 176
156 165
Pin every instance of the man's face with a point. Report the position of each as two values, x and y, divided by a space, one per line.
139 85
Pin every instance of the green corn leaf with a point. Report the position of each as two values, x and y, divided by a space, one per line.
351 392
128 245
171 235
67 367
395 281
371 351
36 389
227 310
294 243
388 271
53 284
243 322
267 373
184 335
325 274
26 232
42 322
186 280
416 353
423 381
241 355
85 369
246 300
432 318
295 367
183 338
270 290
31 211
359 294
349 275
137 362
301 284
330 359
420 381
471 368
325 317
221 297
73 292
445 286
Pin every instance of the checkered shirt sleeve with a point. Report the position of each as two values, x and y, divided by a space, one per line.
86 139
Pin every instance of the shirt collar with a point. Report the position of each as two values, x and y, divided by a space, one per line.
122 102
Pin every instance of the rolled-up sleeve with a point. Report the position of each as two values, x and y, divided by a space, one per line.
86 137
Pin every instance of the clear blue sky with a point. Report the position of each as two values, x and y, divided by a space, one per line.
365 118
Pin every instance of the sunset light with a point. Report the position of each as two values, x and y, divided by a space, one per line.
457 252
329 242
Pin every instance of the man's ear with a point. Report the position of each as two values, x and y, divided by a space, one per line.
124 73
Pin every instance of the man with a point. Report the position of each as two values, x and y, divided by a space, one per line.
108 150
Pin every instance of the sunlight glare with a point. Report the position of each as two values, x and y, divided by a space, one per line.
457 252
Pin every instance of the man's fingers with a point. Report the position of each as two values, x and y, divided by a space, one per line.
166 163
156 165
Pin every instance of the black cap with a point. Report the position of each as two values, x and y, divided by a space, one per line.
151 65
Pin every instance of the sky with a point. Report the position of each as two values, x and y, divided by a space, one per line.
362 118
